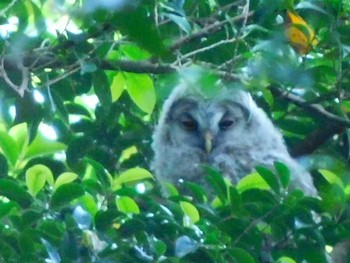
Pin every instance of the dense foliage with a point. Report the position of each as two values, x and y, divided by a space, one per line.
81 86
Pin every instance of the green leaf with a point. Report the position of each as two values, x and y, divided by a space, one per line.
9 147
52 230
333 198
331 177
6 208
65 194
252 181
36 177
190 212
170 189
180 21
269 177
134 52
104 177
118 86
65 178
19 133
11 190
141 90
43 146
242 256
268 97
217 182
127 205
139 26
88 203
286 260
131 175
347 191
58 106
102 89
283 173
4 169
159 247
104 219
198 191
235 199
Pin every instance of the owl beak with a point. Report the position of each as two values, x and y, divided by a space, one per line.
208 140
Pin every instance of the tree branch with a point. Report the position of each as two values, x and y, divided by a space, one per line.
136 66
315 109
19 88
333 124
315 139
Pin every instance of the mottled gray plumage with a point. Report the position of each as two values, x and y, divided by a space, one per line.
224 129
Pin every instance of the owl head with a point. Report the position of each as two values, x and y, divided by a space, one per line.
202 120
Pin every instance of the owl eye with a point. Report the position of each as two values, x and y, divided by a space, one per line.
188 123
226 124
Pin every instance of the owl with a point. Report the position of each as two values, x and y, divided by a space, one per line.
222 128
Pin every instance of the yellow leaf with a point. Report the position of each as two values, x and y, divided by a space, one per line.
300 35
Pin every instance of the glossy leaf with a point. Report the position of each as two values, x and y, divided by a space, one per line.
283 173
36 177
65 178
269 178
102 174
9 147
66 193
285 260
131 175
331 177
252 181
242 256
126 205
118 86
190 211
141 90
19 133
6 208
43 146
101 87
11 190
218 183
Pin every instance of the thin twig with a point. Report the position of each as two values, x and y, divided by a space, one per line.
245 14
61 77
8 7
206 30
201 50
254 223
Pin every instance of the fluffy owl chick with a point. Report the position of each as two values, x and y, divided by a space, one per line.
225 130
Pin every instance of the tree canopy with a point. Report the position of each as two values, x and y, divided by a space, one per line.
82 84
